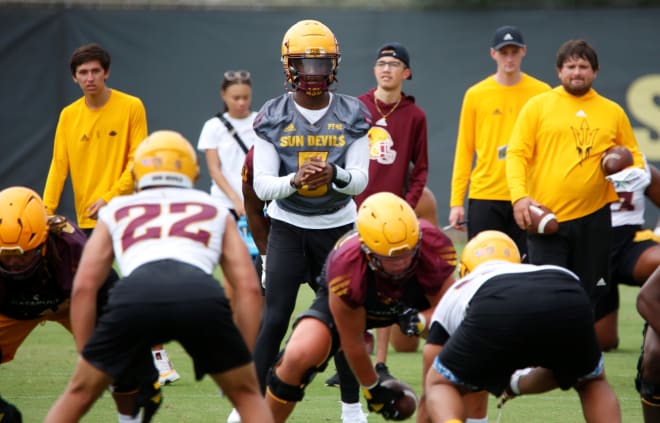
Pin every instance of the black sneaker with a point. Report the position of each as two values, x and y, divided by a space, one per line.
383 372
333 381
9 413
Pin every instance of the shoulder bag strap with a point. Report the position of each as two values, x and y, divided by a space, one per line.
233 132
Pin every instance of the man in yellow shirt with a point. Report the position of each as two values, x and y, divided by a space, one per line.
95 139
489 111
554 158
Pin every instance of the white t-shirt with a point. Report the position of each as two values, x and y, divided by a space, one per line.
215 135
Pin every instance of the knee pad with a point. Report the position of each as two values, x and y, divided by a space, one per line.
649 391
281 391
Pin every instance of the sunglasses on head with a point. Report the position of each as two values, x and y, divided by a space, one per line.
238 75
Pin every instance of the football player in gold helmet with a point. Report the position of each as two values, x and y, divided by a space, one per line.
510 329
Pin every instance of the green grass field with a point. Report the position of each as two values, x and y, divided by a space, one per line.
44 363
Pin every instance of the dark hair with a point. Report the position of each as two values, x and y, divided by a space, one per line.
231 77
88 53
577 49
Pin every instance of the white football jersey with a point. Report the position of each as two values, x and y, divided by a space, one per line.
450 310
630 184
165 223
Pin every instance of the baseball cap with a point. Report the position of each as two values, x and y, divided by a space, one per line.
507 35
396 50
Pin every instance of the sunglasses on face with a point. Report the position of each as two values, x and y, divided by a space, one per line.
237 75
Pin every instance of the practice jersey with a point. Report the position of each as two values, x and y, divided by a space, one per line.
28 296
451 308
348 274
630 185
186 225
296 141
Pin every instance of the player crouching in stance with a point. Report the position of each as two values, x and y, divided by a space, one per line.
648 367
167 238
502 316
38 258
382 273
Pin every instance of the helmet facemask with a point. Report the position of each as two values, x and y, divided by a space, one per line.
377 261
313 76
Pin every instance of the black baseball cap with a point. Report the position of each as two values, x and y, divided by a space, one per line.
396 50
507 36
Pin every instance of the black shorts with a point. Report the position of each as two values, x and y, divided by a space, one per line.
625 253
581 245
513 322
495 215
125 332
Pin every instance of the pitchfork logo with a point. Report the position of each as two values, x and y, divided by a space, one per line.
380 146
584 139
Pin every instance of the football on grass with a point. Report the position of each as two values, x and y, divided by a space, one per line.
407 404
544 221
615 159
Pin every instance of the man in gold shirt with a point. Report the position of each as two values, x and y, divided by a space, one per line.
489 111
554 158
95 139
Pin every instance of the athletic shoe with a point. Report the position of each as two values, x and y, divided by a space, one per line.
352 413
333 381
383 372
149 399
166 371
9 413
234 417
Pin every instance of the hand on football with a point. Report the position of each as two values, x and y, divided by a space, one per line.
382 400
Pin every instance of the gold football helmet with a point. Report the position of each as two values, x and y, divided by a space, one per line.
23 221
310 48
488 246
387 227
165 158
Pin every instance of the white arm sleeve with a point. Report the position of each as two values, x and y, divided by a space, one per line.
357 164
268 185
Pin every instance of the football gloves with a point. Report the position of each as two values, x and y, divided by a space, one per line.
382 400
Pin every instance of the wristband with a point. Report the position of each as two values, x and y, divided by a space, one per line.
293 183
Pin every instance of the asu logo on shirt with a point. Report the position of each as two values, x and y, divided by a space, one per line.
380 146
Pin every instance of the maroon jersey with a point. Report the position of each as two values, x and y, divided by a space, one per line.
349 276
26 296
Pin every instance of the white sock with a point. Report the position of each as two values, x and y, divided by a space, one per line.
124 418
350 407
481 420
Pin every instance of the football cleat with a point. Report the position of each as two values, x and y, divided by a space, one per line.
383 372
166 371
